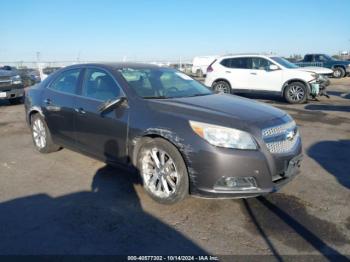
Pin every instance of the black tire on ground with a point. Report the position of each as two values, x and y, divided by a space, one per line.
48 146
222 86
339 72
182 183
15 101
296 93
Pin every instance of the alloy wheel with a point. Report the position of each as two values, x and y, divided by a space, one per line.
222 87
337 73
159 173
39 133
296 93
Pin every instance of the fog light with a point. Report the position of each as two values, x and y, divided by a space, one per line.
236 183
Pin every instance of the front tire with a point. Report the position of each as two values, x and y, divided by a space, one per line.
222 87
41 135
339 72
295 93
163 171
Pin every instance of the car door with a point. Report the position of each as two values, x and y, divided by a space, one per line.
102 135
58 102
320 60
236 72
262 78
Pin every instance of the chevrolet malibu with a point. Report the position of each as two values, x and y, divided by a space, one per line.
180 136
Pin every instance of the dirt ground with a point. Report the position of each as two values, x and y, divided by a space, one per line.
66 203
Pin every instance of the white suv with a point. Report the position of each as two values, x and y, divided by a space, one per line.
261 73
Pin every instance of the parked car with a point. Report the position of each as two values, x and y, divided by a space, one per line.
29 76
180 136
261 74
340 68
11 87
200 65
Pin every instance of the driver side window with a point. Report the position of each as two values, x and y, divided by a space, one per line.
260 63
99 85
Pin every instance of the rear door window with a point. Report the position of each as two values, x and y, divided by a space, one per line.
239 62
67 81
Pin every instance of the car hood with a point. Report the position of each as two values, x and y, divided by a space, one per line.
315 69
219 108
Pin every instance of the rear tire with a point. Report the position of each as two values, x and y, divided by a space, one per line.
339 72
222 86
41 135
295 93
163 171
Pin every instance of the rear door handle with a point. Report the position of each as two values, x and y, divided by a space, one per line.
229 72
253 73
80 111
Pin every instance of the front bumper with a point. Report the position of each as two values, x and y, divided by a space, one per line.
10 92
319 87
271 171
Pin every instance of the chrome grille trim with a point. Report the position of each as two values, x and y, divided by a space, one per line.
281 139
283 146
278 130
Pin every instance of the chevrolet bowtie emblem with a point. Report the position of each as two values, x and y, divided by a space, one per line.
290 135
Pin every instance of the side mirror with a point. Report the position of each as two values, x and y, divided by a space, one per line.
273 67
111 104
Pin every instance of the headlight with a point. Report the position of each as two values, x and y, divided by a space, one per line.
223 136
316 76
16 79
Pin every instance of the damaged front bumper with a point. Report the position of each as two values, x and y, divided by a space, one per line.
319 86
261 174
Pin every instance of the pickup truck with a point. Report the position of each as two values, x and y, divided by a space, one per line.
340 68
11 86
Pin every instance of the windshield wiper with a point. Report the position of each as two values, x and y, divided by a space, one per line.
155 97
201 94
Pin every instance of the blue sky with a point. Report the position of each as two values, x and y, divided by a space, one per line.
164 30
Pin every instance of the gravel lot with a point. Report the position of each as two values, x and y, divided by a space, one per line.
66 203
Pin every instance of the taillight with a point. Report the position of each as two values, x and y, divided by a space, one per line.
210 68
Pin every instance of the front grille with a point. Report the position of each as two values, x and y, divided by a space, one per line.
281 139
5 78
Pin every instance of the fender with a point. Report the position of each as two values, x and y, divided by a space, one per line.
31 111
222 79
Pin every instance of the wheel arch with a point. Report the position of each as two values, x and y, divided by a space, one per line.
33 111
292 81
221 79
338 65
168 136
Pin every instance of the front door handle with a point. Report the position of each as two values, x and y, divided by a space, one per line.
253 73
229 72
48 101
80 111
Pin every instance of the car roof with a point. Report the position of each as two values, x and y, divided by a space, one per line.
245 55
117 65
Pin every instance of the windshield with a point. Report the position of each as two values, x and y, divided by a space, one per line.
284 62
328 57
162 83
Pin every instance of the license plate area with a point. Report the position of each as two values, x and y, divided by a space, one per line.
293 166
2 94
